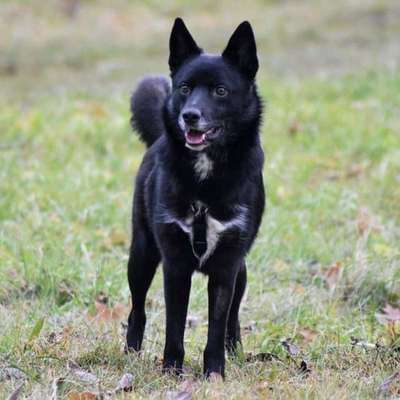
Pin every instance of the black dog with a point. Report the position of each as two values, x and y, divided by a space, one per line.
199 194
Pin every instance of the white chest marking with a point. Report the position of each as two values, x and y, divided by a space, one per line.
215 229
203 166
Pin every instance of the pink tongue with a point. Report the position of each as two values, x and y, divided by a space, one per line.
194 137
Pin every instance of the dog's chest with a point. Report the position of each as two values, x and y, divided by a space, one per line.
205 231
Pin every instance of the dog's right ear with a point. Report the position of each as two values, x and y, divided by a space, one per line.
181 45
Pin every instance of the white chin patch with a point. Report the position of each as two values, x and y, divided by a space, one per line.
199 147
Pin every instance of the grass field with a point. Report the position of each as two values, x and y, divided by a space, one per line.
321 317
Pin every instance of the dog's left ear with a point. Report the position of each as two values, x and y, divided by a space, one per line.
241 50
181 45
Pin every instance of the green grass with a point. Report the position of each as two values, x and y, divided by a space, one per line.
66 181
332 172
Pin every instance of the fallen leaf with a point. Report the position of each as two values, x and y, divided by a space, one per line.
82 396
389 314
387 383
15 394
125 384
118 238
355 170
333 274
263 389
291 348
106 314
175 395
81 374
308 335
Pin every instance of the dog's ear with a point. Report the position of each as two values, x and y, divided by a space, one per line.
241 50
181 45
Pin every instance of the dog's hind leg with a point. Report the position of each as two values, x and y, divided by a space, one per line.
233 327
143 260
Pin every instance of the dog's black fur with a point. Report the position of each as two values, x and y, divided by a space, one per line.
199 194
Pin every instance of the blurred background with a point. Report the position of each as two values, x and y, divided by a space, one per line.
55 46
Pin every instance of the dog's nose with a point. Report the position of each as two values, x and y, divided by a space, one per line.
191 116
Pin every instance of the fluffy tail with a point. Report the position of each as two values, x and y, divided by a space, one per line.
147 104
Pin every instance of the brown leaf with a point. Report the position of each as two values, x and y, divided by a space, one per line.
355 170
125 384
387 383
118 238
290 347
107 314
83 396
263 389
390 317
308 335
15 394
333 274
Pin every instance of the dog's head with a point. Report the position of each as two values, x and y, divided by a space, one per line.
214 99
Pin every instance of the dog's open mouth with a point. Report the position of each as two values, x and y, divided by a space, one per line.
195 137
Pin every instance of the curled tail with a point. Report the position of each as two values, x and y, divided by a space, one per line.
147 104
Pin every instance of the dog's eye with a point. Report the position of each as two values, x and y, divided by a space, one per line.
220 91
184 89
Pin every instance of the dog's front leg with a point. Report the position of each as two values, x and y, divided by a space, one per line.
220 291
177 283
